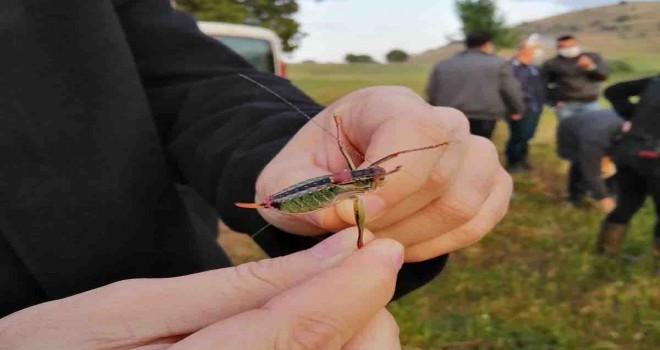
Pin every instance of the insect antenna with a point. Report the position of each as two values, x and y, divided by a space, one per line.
301 112
338 137
260 231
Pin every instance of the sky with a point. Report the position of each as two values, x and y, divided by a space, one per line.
374 27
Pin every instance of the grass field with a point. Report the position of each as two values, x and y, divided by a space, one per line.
533 282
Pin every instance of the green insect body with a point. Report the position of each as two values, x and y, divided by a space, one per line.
321 197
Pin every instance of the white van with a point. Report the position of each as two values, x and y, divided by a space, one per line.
259 46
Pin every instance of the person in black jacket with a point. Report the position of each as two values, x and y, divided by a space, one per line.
637 158
108 106
573 78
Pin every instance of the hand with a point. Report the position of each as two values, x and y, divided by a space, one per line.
585 62
293 302
559 104
607 204
627 125
515 117
442 199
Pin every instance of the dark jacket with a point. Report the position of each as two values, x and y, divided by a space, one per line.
587 138
531 84
478 84
107 105
645 114
568 82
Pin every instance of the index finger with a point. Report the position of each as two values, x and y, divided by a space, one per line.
323 312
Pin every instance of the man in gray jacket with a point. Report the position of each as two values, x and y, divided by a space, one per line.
478 83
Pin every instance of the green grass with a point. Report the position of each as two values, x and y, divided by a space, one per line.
533 282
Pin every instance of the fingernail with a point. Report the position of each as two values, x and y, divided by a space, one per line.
374 205
335 245
390 250
341 243
316 217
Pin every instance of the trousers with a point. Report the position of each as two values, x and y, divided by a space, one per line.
482 127
571 109
520 133
637 178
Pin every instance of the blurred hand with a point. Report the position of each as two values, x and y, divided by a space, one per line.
607 204
627 125
515 117
293 302
585 62
559 104
443 199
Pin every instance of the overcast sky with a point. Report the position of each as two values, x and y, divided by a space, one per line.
337 27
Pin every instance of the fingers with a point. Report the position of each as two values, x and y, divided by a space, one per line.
324 312
490 214
379 121
381 332
387 132
158 308
399 134
459 201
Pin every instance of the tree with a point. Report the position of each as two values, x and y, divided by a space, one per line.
272 14
351 58
483 15
396 55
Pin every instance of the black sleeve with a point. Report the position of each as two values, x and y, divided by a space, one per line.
220 129
619 96
600 72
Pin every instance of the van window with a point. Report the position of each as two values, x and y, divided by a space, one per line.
257 52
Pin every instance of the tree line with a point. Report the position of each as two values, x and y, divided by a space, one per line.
278 16
394 56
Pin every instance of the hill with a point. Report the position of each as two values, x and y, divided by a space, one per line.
617 31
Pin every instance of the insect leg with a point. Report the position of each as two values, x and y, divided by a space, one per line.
393 171
393 155
358 209
341 144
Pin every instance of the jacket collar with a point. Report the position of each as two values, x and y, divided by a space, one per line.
474 51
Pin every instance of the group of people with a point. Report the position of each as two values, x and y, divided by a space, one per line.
488 88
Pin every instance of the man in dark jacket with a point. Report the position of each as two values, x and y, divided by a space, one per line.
584 140
637 157
477 83
107 106
573 78
522 130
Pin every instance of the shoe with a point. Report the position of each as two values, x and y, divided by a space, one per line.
610 238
